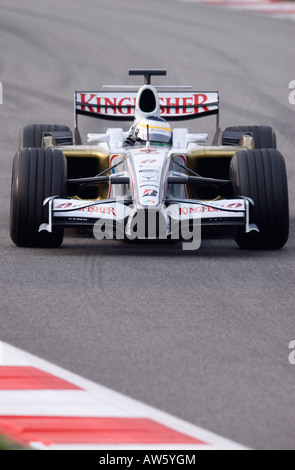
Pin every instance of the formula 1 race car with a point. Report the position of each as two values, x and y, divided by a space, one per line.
151 182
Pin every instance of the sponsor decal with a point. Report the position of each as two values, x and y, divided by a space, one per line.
152 170
146 150
148 185
150 192
148 161
185 105
196 210
108 105
65 205
151 181
99 210
109 210
235 205
172 104
148 178
150 201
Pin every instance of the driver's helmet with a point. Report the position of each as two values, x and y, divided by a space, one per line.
154 130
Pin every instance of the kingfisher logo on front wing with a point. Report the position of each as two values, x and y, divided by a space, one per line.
99 210
196 210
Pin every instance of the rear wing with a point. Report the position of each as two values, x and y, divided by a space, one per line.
120 105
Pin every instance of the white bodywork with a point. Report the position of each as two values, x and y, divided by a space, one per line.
147 168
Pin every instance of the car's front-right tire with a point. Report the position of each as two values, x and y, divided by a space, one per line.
37 174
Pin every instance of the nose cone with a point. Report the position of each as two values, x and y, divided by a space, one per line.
149 165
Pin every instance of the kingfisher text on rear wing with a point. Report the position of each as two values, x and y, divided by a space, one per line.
120 105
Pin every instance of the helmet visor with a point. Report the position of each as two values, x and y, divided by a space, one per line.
155 133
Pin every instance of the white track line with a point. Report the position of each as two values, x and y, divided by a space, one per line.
272 9
92 400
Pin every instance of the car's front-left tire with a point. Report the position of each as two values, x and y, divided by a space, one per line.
37 174
261 175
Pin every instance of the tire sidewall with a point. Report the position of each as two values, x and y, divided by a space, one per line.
261 176
37 174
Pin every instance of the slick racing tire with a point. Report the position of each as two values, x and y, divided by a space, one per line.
264 136
36 175
261 176
32 135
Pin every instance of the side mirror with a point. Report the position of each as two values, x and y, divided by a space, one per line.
98 138
195 138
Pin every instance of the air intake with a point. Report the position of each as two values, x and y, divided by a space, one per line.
147 103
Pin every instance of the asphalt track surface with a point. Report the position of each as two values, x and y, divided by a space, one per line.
202 335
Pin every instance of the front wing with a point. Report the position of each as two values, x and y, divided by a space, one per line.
121 217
